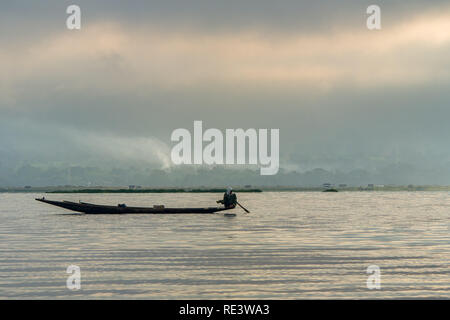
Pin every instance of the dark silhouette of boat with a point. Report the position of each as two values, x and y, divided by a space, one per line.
89 208
330 190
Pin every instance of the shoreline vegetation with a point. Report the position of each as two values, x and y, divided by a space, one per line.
99 189
206 190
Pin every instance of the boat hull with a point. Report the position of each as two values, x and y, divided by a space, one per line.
89 208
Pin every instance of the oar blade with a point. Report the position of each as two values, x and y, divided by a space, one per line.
243 207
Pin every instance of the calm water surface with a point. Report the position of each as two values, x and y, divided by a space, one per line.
291 246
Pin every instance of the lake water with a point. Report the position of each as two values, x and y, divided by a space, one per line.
291 246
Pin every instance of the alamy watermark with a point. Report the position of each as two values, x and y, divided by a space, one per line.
73 21
373 22
190 150
73 282
374 280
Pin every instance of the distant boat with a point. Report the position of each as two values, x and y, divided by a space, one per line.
330 190
89 208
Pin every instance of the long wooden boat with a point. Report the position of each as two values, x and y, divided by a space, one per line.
90 208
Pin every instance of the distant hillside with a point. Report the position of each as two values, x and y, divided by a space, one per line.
213 177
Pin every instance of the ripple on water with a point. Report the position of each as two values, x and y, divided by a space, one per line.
291 246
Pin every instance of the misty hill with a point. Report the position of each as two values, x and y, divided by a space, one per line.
196 176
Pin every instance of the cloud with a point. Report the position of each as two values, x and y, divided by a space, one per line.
108 57
341 95
142 151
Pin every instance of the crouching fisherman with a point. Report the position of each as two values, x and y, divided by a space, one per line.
229 199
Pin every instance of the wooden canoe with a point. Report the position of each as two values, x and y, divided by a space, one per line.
89 208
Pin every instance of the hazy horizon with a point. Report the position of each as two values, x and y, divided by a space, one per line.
365 106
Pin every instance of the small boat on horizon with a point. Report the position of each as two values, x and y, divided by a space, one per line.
330 190
89 208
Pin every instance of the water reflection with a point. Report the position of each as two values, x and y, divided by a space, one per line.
291 246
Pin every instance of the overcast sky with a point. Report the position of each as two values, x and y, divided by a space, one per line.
342 96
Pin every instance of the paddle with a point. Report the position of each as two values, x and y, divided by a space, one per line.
242 207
